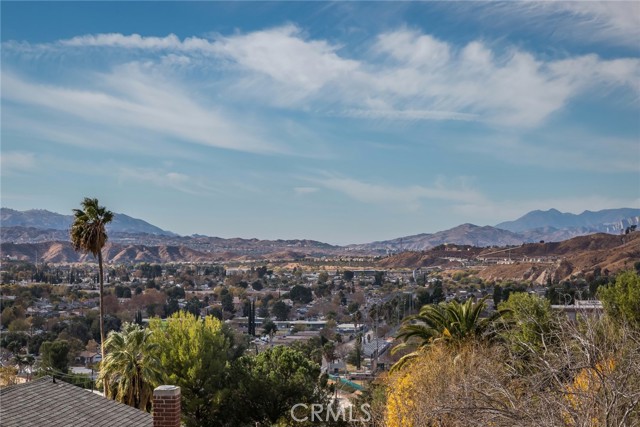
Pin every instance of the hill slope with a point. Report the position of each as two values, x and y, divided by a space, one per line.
533 261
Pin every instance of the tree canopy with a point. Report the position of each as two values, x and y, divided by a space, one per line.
275 380
195 354
621 299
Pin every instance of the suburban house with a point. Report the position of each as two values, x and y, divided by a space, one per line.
89 358
54 403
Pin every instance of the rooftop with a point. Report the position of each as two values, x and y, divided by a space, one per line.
44 402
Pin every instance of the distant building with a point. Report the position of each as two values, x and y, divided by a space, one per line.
584 307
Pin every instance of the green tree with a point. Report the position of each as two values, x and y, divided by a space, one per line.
227 303
347 275
280 310
529 322
323 277
195 354
355 355
621 299
55 356
275 380
89 234
269 328
437 296
497 295
329 351
131 369
193 306
301 294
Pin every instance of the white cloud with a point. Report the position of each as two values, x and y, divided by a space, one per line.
17 161
132 97
404 75
161 178
408 197
301 191
390 114
287 57
612 22
133 41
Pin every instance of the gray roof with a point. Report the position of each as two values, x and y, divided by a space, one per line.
369 348
45 403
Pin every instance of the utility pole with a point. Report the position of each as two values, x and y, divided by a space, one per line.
376 332
252 317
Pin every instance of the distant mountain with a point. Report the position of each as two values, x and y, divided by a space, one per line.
465 234
45 220
608 220
548 226
141 240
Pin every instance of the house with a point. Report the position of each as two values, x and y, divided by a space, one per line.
89 358
51 402
350 328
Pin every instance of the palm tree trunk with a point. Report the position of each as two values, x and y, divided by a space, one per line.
102 338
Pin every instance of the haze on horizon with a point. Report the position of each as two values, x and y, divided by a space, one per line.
338 122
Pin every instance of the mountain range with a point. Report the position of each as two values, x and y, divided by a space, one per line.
535 226
133 239
607 220
44 220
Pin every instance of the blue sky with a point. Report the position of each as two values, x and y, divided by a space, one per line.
340 122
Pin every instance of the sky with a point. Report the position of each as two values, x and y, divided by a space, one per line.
341 122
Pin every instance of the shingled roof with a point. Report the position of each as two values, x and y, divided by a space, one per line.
57 404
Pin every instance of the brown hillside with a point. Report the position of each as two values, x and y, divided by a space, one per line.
557 260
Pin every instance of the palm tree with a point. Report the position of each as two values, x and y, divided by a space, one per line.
132 367
88 234
452 323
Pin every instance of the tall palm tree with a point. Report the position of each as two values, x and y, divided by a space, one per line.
89 234
131 368
451 323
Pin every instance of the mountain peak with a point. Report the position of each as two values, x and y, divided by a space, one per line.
47 220
561 220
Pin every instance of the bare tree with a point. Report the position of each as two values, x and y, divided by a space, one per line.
582 373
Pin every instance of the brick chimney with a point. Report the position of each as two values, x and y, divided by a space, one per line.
166 406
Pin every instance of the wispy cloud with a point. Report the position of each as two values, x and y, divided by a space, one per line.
301 191
403 75
166 179
136 98
563 149
17 161
399 197
612 22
